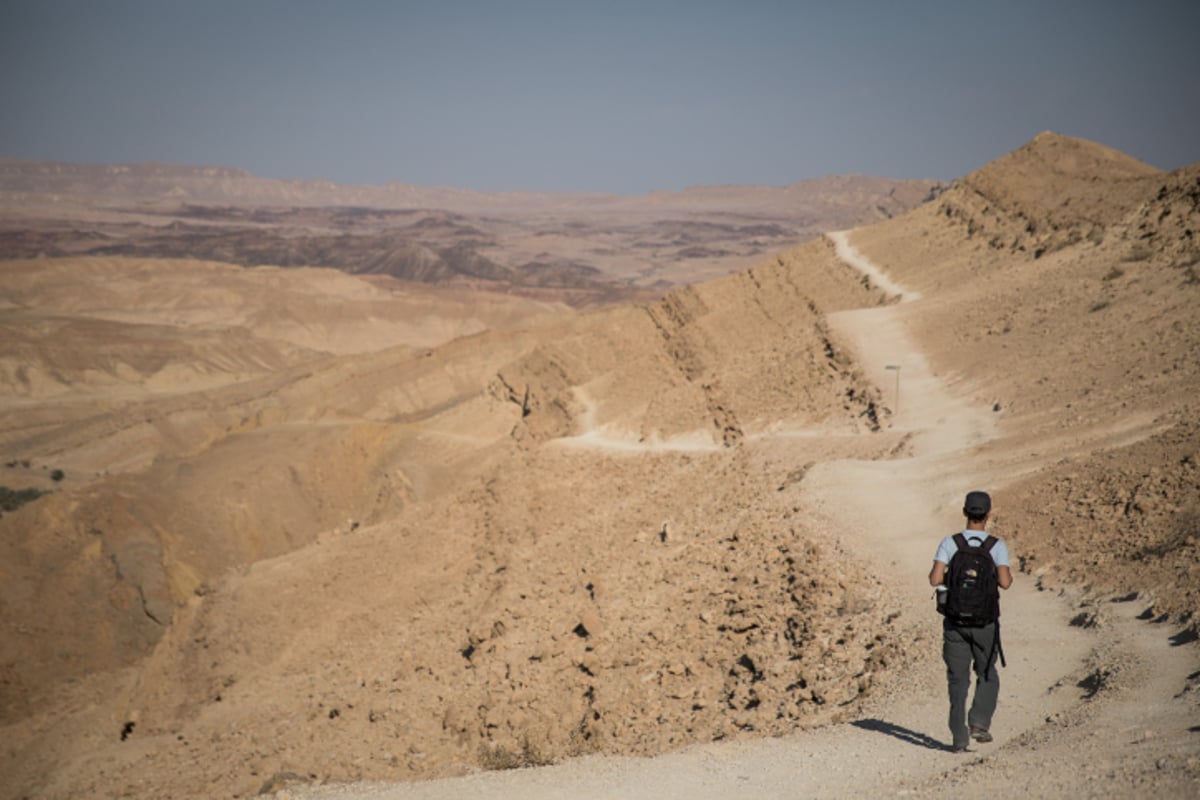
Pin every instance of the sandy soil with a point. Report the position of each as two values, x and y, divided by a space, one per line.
1106 707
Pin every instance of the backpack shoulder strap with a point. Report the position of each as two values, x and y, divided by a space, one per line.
961 541
988 543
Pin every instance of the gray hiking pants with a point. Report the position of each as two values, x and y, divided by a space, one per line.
965 650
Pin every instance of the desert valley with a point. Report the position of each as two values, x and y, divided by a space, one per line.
329 491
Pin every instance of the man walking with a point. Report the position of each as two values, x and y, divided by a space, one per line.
971 629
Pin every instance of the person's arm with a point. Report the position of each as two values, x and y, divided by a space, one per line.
1003 576
938 574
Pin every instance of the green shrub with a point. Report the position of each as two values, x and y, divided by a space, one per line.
499 757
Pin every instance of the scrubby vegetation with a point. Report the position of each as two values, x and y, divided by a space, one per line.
527 754
12 499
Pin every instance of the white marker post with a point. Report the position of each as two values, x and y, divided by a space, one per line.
896 369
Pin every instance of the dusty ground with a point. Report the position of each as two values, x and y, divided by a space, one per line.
696 530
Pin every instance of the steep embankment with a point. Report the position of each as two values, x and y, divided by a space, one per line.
621 597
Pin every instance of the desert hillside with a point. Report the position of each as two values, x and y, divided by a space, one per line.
1073 309
305 526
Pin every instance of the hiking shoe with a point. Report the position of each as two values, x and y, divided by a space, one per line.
958 748
980 734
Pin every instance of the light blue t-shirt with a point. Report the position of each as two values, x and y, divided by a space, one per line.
948 548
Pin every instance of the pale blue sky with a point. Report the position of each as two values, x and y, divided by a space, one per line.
593 96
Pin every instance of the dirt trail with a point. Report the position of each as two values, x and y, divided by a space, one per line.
892 514
600 437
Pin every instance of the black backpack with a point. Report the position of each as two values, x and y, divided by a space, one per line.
972 589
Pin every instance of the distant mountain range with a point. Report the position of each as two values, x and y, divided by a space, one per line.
529 240
230 186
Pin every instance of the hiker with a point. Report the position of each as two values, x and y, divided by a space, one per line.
970 600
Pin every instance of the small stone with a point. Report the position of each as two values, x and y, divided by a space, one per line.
590 621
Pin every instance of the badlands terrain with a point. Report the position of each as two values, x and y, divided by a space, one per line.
586 249
317 532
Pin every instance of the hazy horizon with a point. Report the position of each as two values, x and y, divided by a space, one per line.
623 98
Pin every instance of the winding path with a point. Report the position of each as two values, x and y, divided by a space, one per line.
891 513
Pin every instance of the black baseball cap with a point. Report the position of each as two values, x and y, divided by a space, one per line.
977 504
